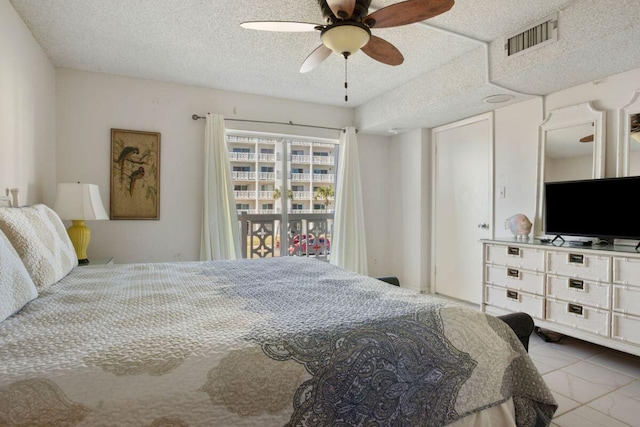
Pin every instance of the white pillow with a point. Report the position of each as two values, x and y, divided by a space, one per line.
39 237
16 286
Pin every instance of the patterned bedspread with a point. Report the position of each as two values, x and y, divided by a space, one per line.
269 342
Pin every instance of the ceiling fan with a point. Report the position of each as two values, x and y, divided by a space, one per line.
348 25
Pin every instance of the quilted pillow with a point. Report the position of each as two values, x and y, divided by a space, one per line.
16 286
39 237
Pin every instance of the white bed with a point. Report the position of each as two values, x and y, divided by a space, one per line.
270 342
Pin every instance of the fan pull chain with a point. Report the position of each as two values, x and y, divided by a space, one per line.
346 85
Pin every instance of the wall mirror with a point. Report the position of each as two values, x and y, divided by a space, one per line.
629 138
570 147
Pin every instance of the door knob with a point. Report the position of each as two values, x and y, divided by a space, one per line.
484 226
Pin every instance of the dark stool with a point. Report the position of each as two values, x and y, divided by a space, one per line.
521 323
390 279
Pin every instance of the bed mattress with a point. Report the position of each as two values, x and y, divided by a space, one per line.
267 342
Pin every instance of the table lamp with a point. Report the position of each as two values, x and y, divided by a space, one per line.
79 203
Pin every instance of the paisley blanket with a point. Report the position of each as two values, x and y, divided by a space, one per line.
268 342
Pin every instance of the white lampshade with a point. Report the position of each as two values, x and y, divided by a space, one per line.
79 202
348 38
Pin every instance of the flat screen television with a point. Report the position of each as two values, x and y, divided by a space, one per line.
601 208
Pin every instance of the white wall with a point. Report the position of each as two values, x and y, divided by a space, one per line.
27 111
90 104
515 161
377 190
410 194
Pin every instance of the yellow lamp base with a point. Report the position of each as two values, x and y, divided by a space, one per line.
80 234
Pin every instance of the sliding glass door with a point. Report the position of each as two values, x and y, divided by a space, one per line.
285 193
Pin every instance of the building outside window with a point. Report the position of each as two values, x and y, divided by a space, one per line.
259 180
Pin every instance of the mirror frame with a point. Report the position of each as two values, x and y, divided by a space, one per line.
561 118
624 131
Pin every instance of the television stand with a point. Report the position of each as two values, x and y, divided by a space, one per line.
586 292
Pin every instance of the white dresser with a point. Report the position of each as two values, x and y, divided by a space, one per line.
591 293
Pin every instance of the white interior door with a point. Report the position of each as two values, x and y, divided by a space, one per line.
462 205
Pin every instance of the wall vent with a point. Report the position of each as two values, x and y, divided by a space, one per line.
541 33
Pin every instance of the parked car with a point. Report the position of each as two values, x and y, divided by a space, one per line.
302 241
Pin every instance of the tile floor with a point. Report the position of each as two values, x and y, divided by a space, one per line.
593 385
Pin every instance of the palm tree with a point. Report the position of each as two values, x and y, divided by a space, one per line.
277 193
324 194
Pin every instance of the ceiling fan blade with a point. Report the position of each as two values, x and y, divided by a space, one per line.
286 26
342 9
383 51
588 138
315 58
407 12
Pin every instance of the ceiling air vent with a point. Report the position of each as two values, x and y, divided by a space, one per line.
541 33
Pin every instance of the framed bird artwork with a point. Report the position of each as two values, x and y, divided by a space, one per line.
135 174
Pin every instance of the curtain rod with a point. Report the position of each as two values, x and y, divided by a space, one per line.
290 123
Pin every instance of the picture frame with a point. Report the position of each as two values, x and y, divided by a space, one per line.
135 175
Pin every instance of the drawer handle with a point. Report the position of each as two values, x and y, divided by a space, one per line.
576 284
576 258
513 251
512 295
574 309
512 272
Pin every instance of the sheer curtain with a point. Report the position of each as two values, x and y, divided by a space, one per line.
220 232
348 248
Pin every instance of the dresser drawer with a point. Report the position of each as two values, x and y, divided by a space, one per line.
515 256
626 328
577 264
583 317
515 278
626 271
626 299
514 301
579 291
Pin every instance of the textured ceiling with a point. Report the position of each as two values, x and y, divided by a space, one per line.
443 78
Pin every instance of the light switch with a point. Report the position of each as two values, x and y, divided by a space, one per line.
502 192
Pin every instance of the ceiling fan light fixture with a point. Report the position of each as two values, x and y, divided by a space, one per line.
346 38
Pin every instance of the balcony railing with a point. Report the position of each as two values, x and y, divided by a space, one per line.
321 177
264 157
245 195
245 157
306 235
266 176
323 160
300 158
302 195
265 195
243 176
312 211
250 140
300 177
